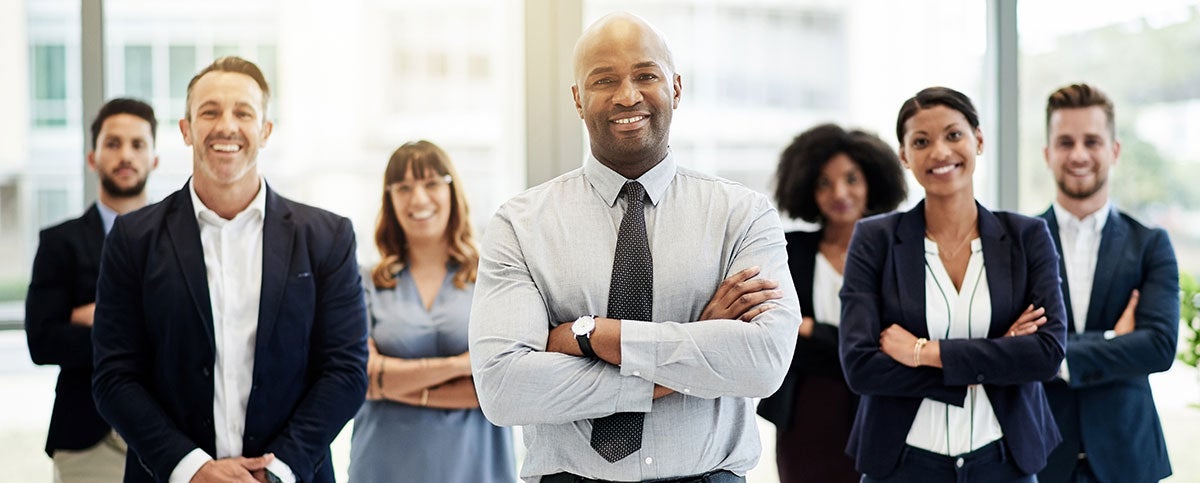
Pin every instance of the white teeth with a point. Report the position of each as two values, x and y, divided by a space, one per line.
944 169
629 120
422 215
226 148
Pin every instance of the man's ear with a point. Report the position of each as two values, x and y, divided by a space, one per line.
678 86
575 95
185 127
91 160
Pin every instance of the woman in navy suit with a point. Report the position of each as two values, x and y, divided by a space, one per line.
951 318
832 177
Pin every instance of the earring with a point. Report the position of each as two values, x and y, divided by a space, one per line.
979 152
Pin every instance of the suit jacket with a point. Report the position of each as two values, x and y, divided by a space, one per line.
1107 410
154 349
64 277
885 284
817 354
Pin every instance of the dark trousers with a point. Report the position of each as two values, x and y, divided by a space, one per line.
989 464
1083 472
719 476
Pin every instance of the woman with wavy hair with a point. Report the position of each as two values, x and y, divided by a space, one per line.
422 421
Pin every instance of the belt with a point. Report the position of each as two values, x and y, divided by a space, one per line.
718 476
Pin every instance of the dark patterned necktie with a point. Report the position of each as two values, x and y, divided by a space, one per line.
630 296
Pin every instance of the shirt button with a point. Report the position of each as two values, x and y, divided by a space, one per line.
637 373
649 460
687 390
959 463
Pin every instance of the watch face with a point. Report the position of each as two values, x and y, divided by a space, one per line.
583 325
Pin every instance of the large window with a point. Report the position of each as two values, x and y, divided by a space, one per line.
757 73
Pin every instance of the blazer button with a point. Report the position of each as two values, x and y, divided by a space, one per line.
979 378
206 372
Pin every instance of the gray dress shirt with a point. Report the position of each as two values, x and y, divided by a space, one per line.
547 258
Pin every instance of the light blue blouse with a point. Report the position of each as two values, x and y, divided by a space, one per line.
397 442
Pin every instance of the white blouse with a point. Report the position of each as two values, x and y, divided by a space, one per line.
827 282
950 314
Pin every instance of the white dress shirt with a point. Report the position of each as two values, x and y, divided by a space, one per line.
827 282
1080 247
233 264
956 314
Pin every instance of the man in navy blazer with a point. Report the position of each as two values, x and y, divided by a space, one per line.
62 292
230 334
1121 284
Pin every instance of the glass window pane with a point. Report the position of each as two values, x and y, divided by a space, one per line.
48 79
183 67
139 80
756 74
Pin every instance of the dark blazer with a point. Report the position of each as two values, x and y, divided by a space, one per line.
1108 410
154 348
64 277
885 284
814 355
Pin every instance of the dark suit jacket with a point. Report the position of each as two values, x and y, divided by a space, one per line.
64 277
1108 410
885 284
154 348
817 354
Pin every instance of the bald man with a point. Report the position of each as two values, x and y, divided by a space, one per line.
627 312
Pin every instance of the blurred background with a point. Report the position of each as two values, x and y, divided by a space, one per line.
489 81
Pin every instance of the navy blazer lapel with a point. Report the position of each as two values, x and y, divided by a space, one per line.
1052 223
908 252
998 261
184 231
278 235
1110 256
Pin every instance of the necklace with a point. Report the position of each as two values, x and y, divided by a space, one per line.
957 247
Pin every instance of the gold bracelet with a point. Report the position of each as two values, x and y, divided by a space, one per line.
424 397
917 351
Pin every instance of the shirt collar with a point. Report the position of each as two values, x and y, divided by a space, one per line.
258 205
1094 222
608 183
107 215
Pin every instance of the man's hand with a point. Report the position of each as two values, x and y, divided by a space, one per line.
1028 322
740 298
236 469
1127 323
83 314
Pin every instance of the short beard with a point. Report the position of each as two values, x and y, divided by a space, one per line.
109 186
1080 195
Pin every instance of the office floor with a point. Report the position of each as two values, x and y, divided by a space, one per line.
28 393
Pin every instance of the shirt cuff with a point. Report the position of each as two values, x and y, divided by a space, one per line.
1063 372
282 471
189 465
639 342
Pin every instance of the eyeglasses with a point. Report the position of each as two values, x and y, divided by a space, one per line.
404 189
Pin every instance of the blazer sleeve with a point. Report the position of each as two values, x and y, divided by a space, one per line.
124 358
338 353
868 370
1150 348
52 338
1017 360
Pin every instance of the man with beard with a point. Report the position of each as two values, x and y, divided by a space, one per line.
1121 285
62 293
659 386
231 335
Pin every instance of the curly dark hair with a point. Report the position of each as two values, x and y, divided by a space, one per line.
801 163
